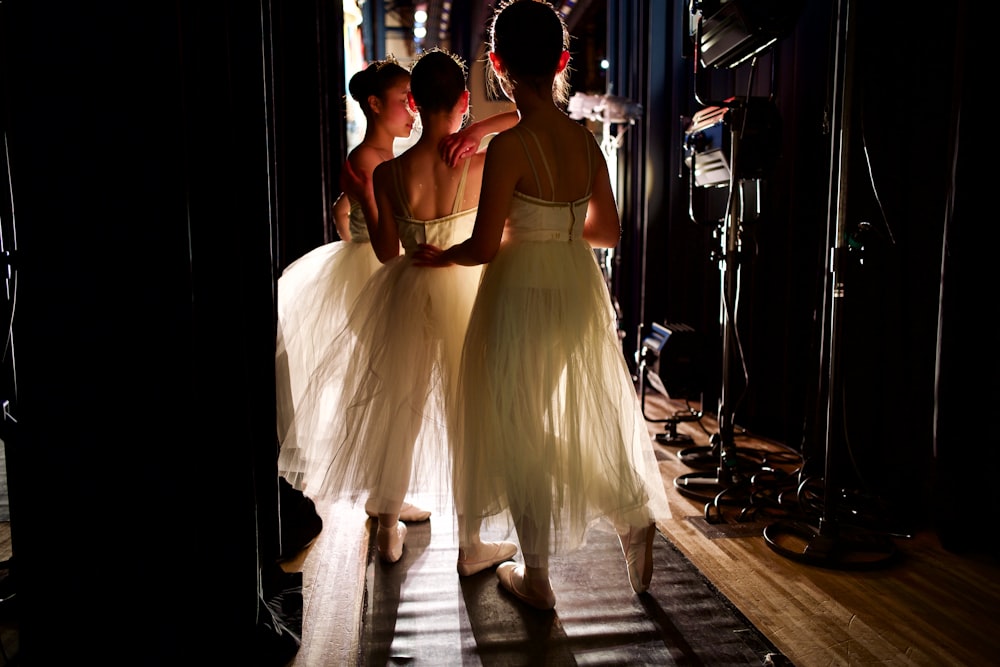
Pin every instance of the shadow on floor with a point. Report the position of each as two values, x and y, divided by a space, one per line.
419 611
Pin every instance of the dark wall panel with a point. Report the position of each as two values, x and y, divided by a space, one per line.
143 327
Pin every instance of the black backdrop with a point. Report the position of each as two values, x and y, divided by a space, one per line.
165 160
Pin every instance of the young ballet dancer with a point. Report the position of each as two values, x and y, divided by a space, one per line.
552 428
316 291
400 382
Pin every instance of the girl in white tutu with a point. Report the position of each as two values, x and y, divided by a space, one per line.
316 291
553 429
400 382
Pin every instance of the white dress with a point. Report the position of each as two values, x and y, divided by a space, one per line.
388 437
553 428
315 295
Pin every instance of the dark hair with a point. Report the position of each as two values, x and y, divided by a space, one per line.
437 80
376 79
530 37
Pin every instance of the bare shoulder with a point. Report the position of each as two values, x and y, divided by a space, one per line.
382 176
381 170
364 159
505 145
476 167
509 137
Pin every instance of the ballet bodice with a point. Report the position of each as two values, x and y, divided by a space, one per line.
441 232
535 219
359 230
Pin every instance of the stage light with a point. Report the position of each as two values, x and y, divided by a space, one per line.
708 141
731 32
706 148
419 25
672 357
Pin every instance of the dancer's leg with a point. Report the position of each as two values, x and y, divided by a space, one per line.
530 582
475 555
390 537
636 531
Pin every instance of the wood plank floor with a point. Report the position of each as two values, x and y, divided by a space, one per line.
925 606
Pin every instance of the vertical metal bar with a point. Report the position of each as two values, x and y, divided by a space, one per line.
837 213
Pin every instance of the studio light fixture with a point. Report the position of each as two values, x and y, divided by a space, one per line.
732 31
671 356
708 141
678 359
706 148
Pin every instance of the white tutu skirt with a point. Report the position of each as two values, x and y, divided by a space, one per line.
552 427
315 295
377 423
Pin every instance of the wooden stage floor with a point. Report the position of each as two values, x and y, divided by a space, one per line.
914 604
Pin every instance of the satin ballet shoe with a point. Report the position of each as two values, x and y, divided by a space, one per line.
484 555
389 541
407 512
511 576
413 514
637 545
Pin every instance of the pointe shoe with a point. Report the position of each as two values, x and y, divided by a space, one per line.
484 555
412 513
637 545
389 542
511 576
407 512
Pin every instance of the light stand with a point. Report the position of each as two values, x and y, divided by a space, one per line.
725 36
831 543
729 472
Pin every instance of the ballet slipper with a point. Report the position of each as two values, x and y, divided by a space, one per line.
407 512
474 559
637 545
389 541
413 514
511 576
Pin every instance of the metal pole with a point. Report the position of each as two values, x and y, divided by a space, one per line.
839 169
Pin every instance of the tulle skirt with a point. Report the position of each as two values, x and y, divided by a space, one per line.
377 425
552 428
315 295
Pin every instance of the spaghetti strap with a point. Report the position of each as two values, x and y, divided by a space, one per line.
400 191
460 193
517 133
541 153
545 164
591 169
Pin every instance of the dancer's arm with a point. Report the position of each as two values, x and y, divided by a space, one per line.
469 140
385 238
342 216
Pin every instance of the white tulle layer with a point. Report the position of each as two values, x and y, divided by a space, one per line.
552 426
376 424
315 294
